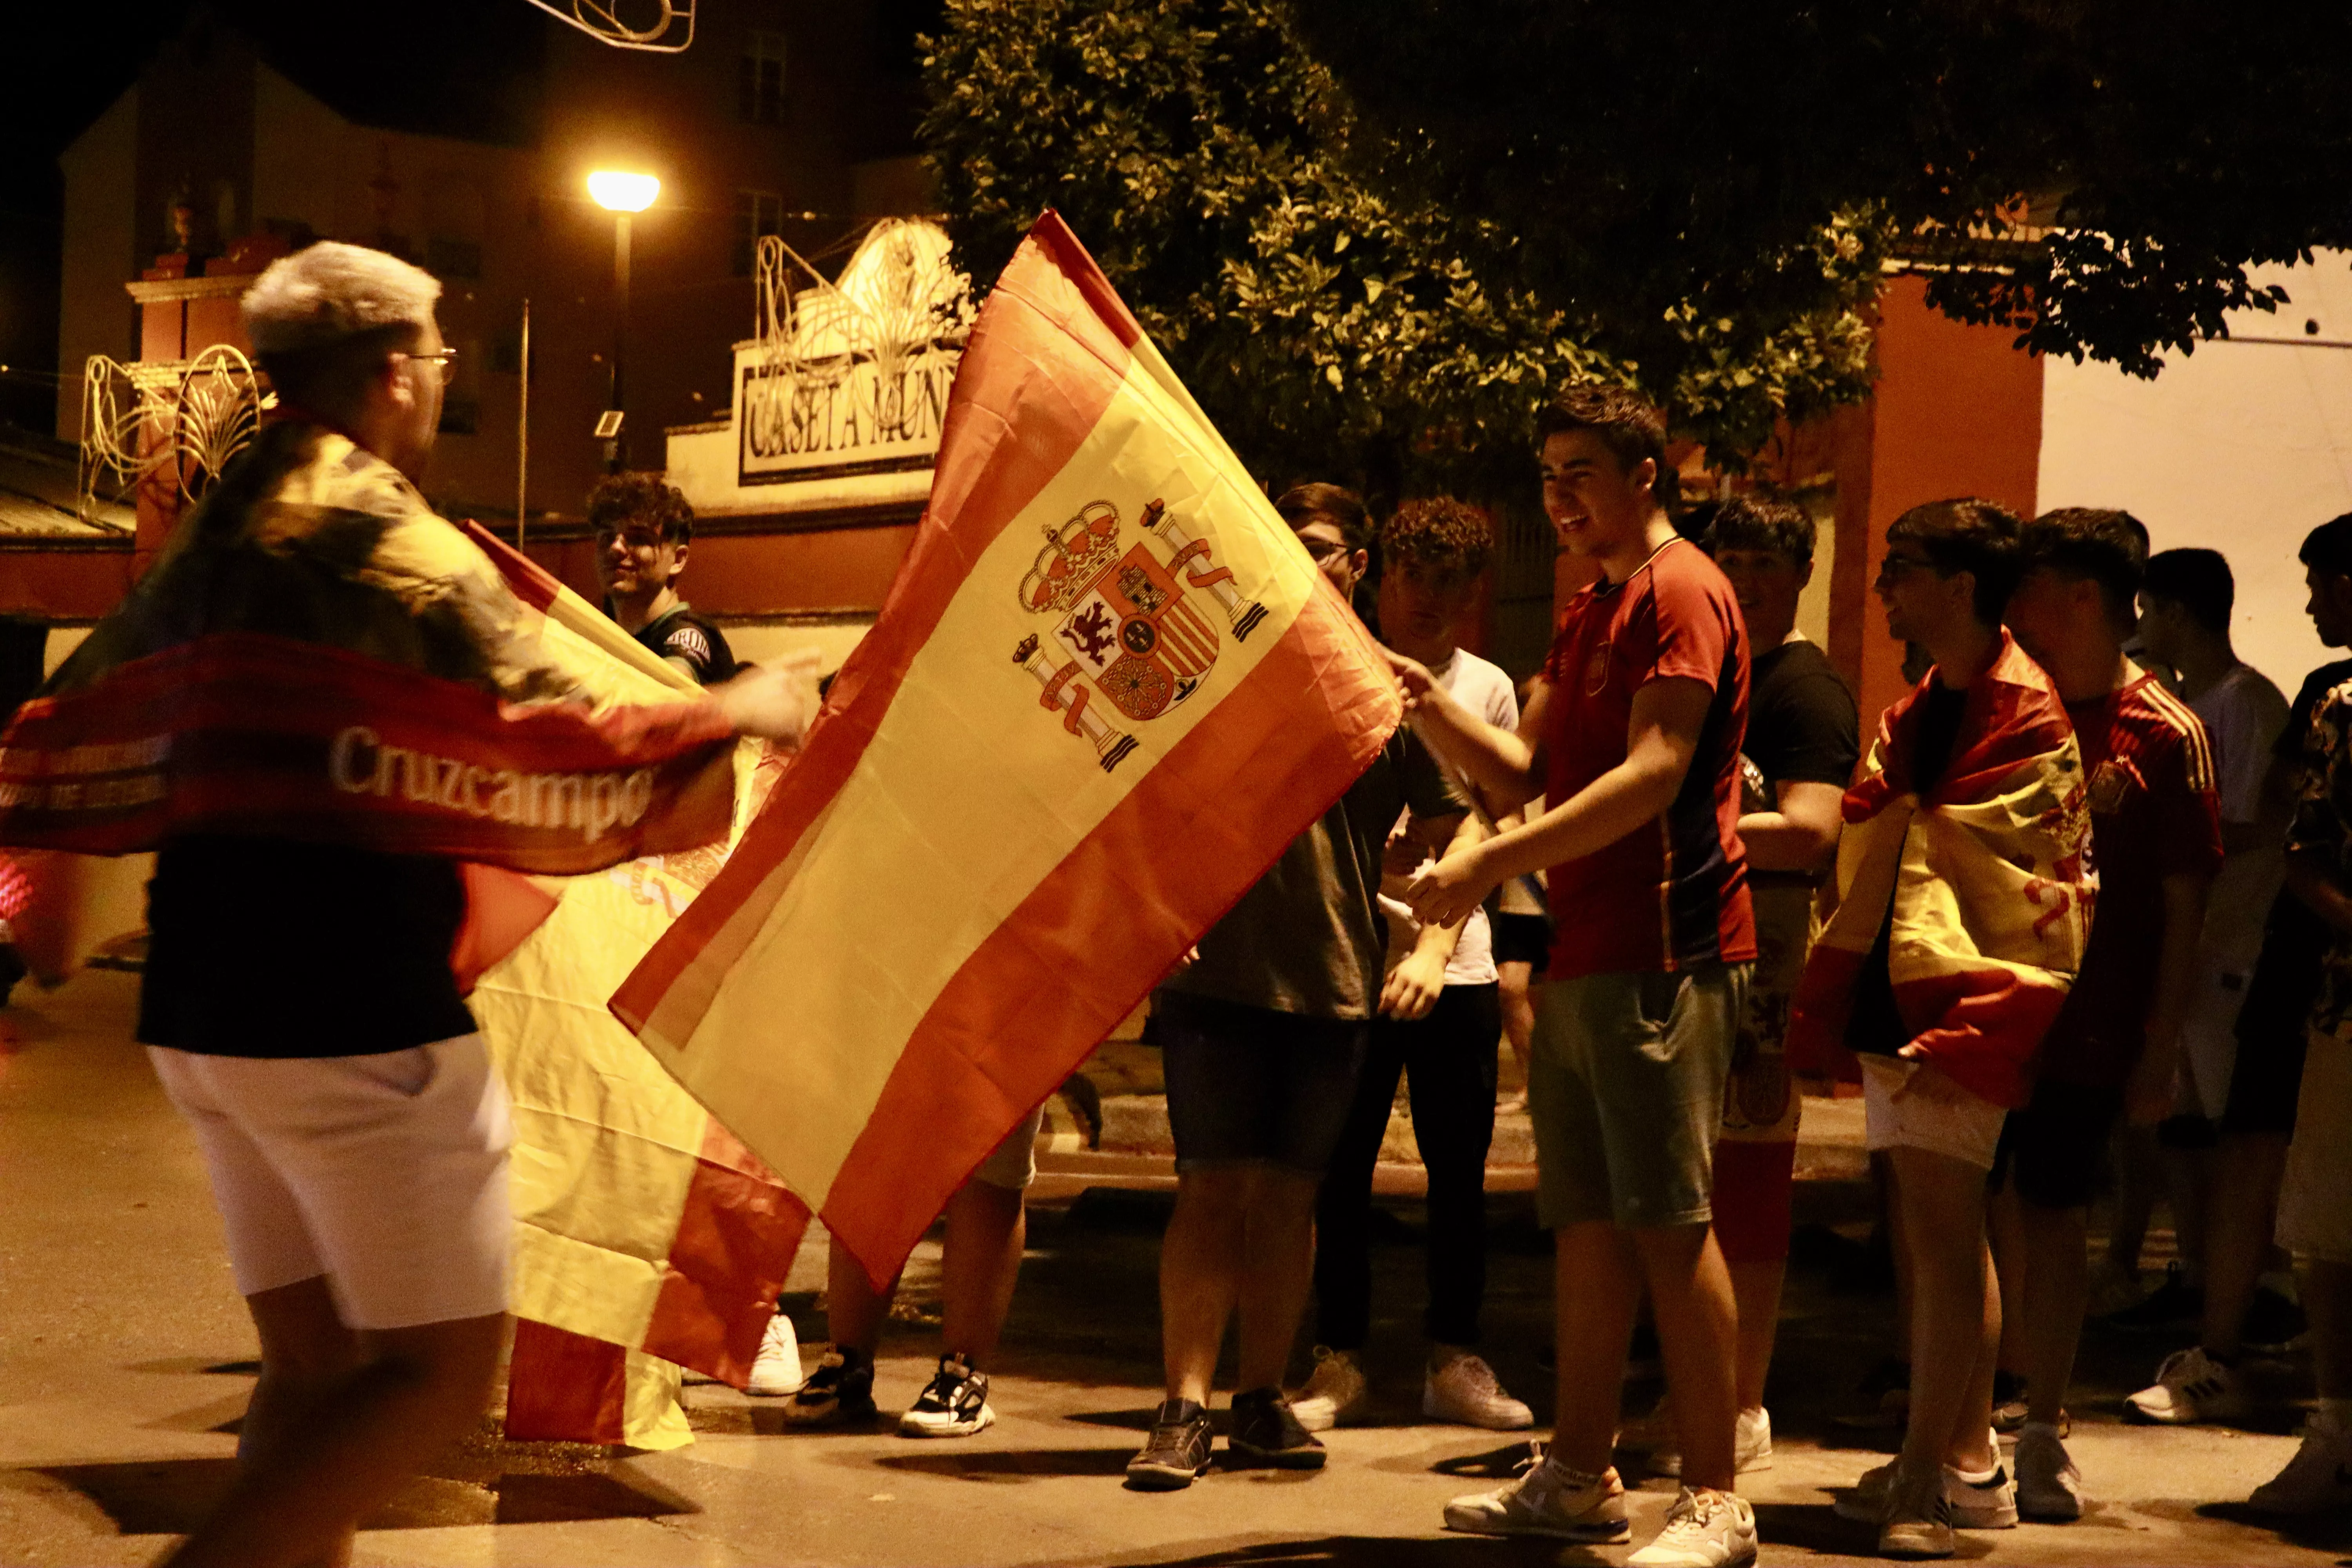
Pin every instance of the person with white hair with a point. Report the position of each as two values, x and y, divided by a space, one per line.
298 1001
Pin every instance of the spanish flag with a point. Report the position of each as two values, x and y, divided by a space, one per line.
1108 688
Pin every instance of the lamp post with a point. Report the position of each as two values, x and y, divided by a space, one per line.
622 194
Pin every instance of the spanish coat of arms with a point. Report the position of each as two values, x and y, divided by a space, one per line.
1128 627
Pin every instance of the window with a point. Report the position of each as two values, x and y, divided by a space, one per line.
760 79
757 213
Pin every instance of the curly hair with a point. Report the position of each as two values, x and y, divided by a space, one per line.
1629 424
1440 533
620 500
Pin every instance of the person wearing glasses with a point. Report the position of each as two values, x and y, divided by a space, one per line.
643 526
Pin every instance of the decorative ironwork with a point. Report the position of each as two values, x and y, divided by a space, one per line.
191 415
601 20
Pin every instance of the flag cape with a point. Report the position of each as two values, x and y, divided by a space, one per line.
1107 687
1988 878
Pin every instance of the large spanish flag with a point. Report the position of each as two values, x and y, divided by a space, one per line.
1986 876
1107 687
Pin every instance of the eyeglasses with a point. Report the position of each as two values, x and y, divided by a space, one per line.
1323 549
635 538
1894 567
442 358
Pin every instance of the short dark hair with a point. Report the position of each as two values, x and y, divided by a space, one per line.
2199 581
1628 424
2105 545
2329 546
1762 523
1441 533
1341 505
1967 534
331 377
620 500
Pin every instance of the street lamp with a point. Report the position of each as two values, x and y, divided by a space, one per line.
620 194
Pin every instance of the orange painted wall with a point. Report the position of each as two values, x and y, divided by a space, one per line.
763 573
1956 412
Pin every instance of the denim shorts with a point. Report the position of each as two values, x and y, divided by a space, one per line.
1625 1080
1252 1086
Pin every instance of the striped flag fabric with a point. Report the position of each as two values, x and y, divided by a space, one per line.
1107 687
1989 878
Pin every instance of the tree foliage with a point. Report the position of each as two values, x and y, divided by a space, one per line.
1331 326
2100 174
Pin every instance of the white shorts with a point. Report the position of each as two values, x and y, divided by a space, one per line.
2209 1036
386 1173
1968 1131
2314 1216
1013 1164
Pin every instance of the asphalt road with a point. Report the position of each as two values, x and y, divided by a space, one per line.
125 1364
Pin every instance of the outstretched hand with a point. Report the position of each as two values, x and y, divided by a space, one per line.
773 701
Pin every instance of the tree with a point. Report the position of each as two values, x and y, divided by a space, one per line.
1329 326
2098 174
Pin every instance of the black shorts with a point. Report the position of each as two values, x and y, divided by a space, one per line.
1523 939
1252 1086
2267 1076
2056 1150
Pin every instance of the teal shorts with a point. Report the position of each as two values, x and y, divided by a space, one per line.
1625 1082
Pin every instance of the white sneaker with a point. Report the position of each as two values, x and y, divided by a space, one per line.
2189 1388
776 1370
1462 1389
1335 1392
2318 1479
2049 1486
1915 1517
1751 1447
1704 1529
1971 1505
1548 1499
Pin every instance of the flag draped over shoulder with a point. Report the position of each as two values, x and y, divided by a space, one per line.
1988 878
1108 688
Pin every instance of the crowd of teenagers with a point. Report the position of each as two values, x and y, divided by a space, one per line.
2086 896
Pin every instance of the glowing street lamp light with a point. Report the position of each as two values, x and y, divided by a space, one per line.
620 194
623 192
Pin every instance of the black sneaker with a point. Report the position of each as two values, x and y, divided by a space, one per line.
2272 1322
839 1392
2173 1304
954 1405
1177 1450
2008 1401
1264 1430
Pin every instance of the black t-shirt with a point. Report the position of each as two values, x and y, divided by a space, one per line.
2285 980
1801 724
265 947
681 633
1876 1026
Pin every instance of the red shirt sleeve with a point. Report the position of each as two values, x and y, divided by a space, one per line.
1688 624
2188 816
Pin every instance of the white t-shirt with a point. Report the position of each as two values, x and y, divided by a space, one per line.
2244 714
1485 691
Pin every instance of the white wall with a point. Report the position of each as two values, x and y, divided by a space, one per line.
2242 447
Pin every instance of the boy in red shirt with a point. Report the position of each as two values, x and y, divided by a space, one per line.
2156 838
1634 738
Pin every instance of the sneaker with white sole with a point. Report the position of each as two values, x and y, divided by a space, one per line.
840 1392
1462 1388
1335 1393
2049 1486
1551 1500
776 1370
955 1404
1915 1517
1704 1529
2318 1479
1751 1447
1972 1505
2190 1387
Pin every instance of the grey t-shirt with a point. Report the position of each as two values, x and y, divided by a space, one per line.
1308 938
